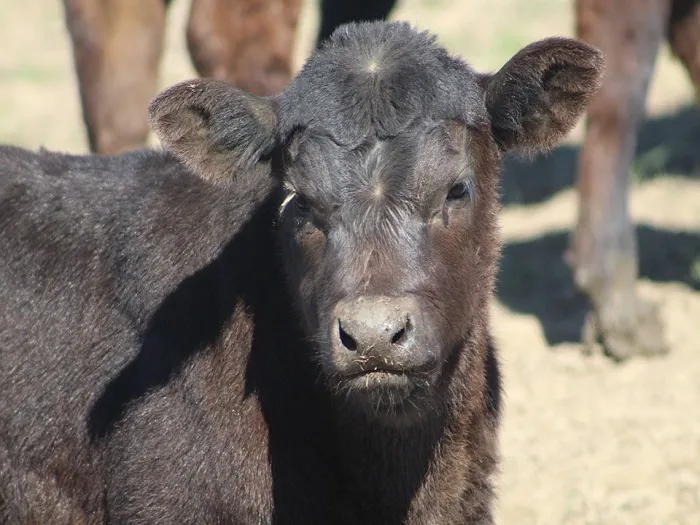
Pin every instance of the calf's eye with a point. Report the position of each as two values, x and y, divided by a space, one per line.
458 191
301 204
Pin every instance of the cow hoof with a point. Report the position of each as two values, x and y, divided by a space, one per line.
621 335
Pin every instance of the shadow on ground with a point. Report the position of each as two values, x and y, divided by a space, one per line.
534 279
668 144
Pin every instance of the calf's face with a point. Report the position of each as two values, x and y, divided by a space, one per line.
389 155
387 246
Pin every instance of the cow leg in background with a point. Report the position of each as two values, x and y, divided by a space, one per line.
116 50
249 43
338 12
684 37
604 247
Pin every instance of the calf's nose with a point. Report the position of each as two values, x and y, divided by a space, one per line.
376 327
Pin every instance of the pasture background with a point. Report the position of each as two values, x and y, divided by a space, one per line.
584 441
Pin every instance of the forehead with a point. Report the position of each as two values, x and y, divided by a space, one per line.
399 167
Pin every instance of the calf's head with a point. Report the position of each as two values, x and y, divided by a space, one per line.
388 203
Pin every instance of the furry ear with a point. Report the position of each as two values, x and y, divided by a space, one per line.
214 128
537 97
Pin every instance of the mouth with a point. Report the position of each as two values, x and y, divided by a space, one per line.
379 378
379 370
381 391
383 387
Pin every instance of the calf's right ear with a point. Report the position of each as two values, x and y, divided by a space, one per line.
214 128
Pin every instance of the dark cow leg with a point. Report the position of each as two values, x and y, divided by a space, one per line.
684 37
337 12
604 249
116 49
248 43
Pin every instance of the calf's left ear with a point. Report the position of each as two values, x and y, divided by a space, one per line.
537 97
214 128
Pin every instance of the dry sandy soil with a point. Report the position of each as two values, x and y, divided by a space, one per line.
585 441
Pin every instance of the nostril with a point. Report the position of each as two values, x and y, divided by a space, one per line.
400 336
346 339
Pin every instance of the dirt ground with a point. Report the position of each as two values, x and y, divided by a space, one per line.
584 441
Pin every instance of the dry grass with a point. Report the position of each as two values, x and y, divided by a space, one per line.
584 441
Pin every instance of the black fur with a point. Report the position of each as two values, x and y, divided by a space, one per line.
165 319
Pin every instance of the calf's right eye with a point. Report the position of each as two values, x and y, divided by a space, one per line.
301 204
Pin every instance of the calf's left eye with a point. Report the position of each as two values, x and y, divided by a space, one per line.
459 191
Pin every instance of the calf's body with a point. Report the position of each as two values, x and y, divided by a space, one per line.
226 421
285 319
90 319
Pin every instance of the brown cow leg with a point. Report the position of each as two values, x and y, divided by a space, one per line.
116 49
684 37
248 43
604 249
